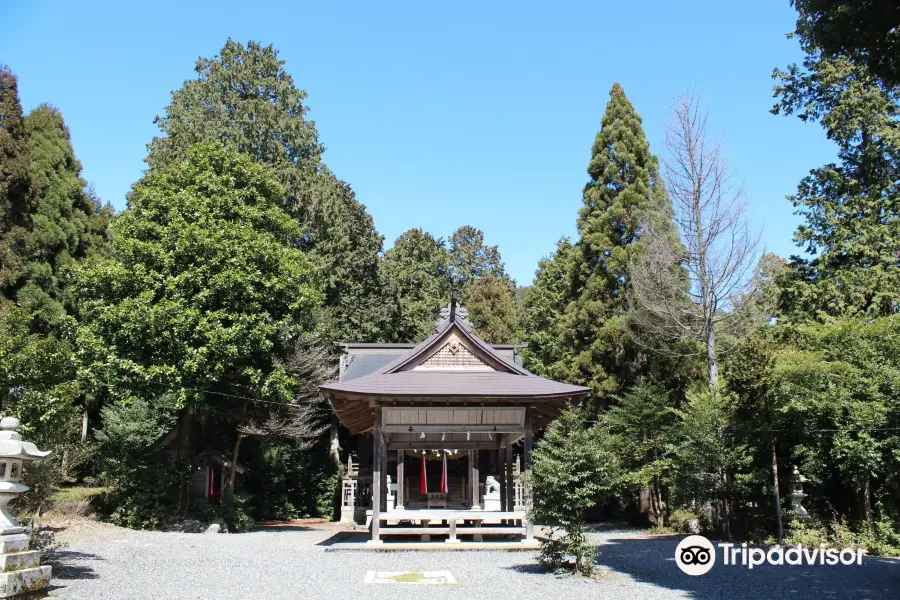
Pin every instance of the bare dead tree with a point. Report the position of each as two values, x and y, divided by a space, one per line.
304 419
703 285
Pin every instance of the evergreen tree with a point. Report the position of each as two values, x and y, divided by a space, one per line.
851 208
244 99
66 224
544 305
471 259
638 431
344 241
493 310
417 271
14 197
623 193
865 31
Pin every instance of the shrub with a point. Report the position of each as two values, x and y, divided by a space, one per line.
571 471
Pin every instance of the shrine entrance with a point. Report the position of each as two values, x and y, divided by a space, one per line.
457 410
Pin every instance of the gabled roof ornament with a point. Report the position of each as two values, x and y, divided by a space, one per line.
453 312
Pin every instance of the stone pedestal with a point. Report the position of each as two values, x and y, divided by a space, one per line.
21 571
492 501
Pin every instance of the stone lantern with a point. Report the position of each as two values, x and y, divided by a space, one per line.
20 570
797 495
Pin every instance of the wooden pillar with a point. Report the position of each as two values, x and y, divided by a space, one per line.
401 487
526 469
377 467
501 474
510 482
474 478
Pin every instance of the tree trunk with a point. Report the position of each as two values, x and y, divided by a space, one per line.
84 424
334 446
658 508
777 494
232 471
867 504
185 428
712 364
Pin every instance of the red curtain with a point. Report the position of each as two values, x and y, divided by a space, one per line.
211 475
423 480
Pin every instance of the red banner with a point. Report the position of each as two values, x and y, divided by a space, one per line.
423 480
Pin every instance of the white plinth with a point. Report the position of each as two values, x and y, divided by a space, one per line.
492 501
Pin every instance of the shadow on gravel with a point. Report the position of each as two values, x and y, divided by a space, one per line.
346 537
652 561
70 565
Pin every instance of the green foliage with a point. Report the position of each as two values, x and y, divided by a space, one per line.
623 193
543 307
493 310
138 477
295 483
572 468
66 223
471 259
203 288
342 239
244 100
710 464
14 201
884 540
638 430
851 212
417 271
842 381
864 31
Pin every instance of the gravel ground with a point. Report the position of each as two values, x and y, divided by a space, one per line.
289 564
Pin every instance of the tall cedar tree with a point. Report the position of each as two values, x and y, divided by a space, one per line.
417 271
66 223
851 208
493 310
244 99
472 259
14 198
623 193
543 307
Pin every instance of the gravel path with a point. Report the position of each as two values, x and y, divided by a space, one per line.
289 564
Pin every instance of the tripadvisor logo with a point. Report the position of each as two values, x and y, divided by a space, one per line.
696 555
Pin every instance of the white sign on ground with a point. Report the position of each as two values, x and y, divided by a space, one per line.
415 577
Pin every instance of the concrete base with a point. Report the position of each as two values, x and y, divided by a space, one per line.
20 570
24 581
348 515
433 546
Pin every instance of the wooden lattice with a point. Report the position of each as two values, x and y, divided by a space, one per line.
453 355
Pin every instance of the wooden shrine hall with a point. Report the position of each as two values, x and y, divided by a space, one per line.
452 422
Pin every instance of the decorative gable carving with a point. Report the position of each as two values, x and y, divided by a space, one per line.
451 356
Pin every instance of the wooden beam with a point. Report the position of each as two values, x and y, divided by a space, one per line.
453 428
443 445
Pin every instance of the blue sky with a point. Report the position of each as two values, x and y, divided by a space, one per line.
439 114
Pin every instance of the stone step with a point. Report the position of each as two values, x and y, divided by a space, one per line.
14 583
16 561
13 543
